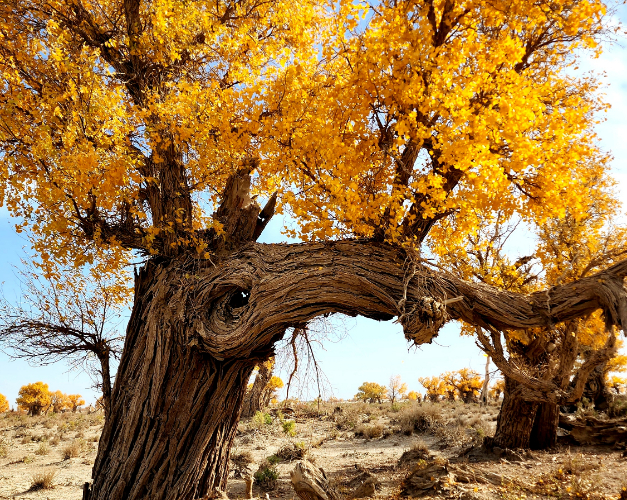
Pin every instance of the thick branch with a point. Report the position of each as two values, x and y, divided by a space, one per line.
262 290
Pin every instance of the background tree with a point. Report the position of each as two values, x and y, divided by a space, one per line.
467 384
59 401
414 396
497 389
569 248
255 399
396 389
434 386
270 392
371 392
154 128
67 313
34 398
75 401
4 403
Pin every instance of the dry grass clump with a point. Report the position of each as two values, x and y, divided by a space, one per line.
292 451
420 418
369 431
43 449
4 447
452 435
43 481
73 450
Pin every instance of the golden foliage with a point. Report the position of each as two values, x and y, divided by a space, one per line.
434 386
371 392
59 401
122 136
4 403
413 396
75 401
34 397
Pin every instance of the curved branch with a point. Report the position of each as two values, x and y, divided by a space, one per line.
289 285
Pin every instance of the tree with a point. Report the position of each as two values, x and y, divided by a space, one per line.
59 401
75 401
67 313
497 389
396 388
34 398
569 248
256 396
414 396
371 392
152 130
466 382
270 391
4 403
434 386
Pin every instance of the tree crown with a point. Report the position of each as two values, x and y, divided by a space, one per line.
122 121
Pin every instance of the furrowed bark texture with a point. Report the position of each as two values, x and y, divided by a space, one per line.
197 330
515 421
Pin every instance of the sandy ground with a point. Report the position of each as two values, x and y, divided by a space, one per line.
338 442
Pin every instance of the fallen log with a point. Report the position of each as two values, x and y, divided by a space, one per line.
591 430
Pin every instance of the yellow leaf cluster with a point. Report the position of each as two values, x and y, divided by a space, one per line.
367 120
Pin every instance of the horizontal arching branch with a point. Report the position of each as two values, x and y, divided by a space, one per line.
287 285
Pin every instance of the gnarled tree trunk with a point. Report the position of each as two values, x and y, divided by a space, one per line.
515 420
198 329
544 432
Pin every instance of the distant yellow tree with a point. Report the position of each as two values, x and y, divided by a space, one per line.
434 386
413 396
34 398
467 383
270 391
75 401
59 401
396 389
4 403
371 392
497 389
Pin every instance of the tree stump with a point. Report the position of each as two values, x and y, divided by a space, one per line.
311 483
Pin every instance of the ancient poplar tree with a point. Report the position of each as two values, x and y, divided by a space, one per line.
175 130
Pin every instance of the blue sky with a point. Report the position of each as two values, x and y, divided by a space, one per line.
371 351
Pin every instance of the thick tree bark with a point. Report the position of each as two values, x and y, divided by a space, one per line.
515 420
544 432
198 328
175 409
254 401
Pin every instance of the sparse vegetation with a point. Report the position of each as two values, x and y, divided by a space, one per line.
74 449
43 481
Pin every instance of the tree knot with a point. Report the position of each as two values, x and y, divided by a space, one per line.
424 320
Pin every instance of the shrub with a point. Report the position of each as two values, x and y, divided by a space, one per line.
43 449
369 431
260 419
73 449
43 481
266 476
293 451
289 427
28 459
4 448
420 419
